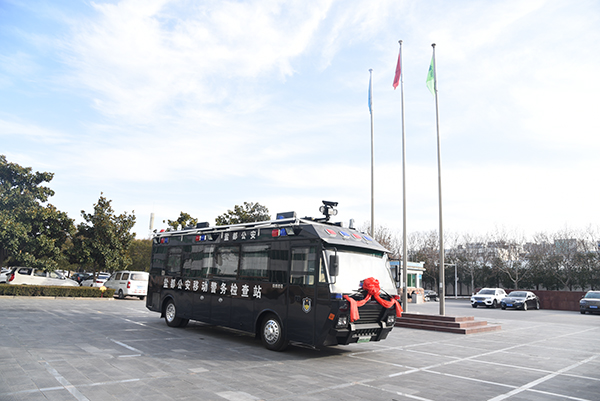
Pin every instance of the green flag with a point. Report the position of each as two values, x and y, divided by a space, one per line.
431 78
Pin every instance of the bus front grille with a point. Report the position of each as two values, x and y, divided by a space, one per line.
369 314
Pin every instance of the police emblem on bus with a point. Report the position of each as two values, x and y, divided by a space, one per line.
306 305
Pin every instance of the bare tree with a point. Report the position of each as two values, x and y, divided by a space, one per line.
509 250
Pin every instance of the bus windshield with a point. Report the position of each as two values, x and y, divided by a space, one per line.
354 267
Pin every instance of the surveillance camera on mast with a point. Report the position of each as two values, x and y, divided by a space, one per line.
328 209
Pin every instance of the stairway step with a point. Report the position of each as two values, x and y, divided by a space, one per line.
449 324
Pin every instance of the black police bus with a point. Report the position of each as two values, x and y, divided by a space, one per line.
287 280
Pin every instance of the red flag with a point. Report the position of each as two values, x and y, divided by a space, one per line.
397 76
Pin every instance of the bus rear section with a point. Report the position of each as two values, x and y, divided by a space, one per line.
288 280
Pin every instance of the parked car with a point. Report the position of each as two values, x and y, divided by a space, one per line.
79 277
127 282
488 297
92 281
430 295
3 275
31 276
521 300
590 302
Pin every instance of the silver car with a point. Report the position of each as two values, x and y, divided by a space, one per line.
590 303
31 276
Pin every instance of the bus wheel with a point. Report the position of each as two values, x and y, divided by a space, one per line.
171 316
271 333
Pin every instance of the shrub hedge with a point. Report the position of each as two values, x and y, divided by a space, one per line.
54 291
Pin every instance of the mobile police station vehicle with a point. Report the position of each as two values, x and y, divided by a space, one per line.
300 280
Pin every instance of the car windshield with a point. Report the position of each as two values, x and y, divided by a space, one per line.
518 294
593 295
486 292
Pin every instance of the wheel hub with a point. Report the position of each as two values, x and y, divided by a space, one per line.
271 332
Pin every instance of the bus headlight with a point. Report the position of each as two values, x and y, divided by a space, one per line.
391 320
342 322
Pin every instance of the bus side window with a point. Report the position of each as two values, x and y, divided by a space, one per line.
303 266
226 261
174 261
322 273
158 260
186 257
279 256
200 259
255 261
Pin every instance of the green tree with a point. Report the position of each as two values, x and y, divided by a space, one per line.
103 239
184 220
248 213
140 252
32 231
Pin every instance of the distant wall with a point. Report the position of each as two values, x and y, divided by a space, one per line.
559 300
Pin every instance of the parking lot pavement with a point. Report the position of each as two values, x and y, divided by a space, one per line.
65 349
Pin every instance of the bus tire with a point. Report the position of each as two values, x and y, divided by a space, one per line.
171 316
271 333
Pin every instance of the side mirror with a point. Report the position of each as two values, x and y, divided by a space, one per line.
334 263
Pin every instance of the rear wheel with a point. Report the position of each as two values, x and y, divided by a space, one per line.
271 333
142 298
120 294
171 316
537 305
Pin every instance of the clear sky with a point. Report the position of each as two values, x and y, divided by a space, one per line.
197 106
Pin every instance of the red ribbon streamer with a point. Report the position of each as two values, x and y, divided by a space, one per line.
371 285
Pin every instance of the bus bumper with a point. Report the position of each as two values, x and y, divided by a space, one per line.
358 333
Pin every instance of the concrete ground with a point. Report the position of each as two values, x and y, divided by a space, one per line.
65 349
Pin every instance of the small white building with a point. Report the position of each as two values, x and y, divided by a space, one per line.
414 274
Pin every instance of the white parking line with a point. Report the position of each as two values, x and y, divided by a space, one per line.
64 382
126 346
543 379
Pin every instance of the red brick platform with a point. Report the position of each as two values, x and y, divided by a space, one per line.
449 324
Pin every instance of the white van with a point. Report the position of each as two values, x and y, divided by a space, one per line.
128 283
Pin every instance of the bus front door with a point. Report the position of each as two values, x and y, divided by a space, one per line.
301 295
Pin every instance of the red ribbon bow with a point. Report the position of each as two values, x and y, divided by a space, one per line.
371 285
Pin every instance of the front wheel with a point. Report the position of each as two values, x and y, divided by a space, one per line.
525 306
271 333
495 304
171 316
474 305
582 311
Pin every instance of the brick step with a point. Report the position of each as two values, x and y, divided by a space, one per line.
438 317
448 324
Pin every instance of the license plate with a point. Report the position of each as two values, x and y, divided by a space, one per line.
593 307
363 339
509 304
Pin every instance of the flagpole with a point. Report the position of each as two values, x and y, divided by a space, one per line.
404 252
442 279
372 155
